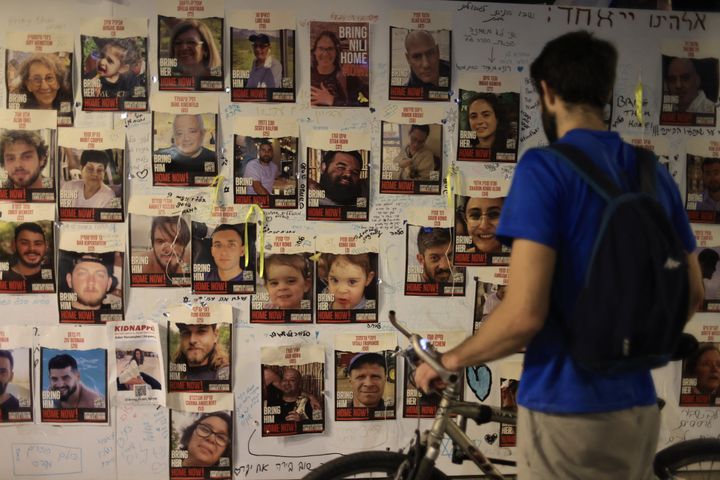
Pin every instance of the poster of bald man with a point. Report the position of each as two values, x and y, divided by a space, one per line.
184 140
690 82
420 56
90 273
293 379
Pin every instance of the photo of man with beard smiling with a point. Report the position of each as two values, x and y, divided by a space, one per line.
431 272
343 182
30 261
65 378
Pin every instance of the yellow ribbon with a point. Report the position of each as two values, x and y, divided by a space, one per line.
261 224
639 100
217 183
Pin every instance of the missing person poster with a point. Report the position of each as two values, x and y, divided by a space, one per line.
266 162
347 279
114 64
73 374
509 381
38 73
92 175
417 404
477 217
90 273
708 254
16 374
27 156
293 384
201 440
339 64
489 117
365 376
338 185
429 266
412 150
199 348
139 363
490 287
262 56
702 200
690 78
223 252
420 55
159 241
700 382
284 294
184 140
27 260
190 45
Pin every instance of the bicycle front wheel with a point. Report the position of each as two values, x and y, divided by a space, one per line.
375 465
693 459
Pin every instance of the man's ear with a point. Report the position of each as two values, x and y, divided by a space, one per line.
420 259
68 279
109 284
547 93
323 167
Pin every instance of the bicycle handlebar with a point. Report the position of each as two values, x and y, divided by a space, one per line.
425 351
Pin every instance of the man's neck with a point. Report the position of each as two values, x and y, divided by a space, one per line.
290 397
579 116
25 271
82 306
4 397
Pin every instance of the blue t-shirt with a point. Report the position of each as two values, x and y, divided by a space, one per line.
550 204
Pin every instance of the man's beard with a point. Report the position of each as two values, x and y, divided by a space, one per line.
341 194
438 275
549 123
93 303
66 396
29 180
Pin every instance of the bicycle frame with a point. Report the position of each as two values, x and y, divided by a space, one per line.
450 404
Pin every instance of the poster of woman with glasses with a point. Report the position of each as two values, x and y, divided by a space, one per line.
190 55
38 73
201 443
476 220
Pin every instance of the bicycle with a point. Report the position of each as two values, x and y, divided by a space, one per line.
417 462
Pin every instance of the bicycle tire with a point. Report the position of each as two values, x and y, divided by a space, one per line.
700 455
365 463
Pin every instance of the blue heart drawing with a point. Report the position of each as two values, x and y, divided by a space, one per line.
479 379
520 68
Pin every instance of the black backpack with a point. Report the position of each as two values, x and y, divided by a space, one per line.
633 303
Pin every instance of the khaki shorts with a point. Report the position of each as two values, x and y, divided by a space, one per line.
614 445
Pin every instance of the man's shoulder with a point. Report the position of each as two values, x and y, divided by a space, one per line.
11 403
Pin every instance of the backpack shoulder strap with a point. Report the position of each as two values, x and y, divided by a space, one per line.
587 169
647 165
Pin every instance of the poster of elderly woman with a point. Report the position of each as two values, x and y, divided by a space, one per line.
190 55
489 117
38 73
